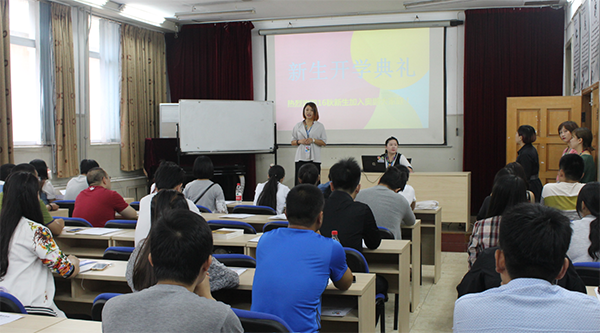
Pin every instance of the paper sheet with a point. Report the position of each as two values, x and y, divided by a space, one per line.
236 216
278 217
6 317
97 231
255 239
86 265
238 270
330 311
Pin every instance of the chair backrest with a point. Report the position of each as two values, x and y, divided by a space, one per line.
258 210
75 222
98 305
385 233
9 303
203 209
274 225
589 272
253 321
356 261
135 205
69 204
118 253
236 260
218 224
122 224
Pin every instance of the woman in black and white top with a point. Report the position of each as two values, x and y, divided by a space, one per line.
309 135
203 191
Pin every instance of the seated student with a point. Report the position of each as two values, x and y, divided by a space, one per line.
533 245
309 174
581 142
47 191
295 264
4 172
180 248
273 192
28 253
139 272
563 195
98 203
168 176
585 242
55 225
408 192
354 221
202 191
389 208
79 183
508 191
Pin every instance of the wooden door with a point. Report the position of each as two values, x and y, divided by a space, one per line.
544 114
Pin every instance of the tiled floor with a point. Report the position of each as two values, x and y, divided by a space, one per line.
434 313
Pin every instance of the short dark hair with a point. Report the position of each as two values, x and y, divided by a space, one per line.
203 168
41 168
572 165
394 178
345 175
568 125
304 203
404 170
95 176
180 243
308 174
528 133
168 175
24 167
508 191
86 165
5 170
590 195
586 137
535 240
315 110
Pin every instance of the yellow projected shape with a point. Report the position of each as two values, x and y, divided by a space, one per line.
391 59
393 111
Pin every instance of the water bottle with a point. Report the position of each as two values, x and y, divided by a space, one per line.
238 193
334 236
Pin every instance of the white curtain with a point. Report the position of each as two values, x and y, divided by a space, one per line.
110 39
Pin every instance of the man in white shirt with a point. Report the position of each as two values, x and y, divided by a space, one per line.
79 183
408 192
563 195
168 176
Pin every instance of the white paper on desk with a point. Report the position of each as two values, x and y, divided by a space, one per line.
229 202
255 239
6 317
86 265
427 204
97 231
236 216
330 311
278 217
238 270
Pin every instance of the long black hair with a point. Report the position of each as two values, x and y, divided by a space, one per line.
268 196
20 199
508 191
163 202
590 195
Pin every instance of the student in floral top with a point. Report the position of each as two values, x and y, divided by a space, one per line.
28 253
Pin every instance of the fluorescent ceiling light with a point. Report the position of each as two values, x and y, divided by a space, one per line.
93 3
193 15
425 3
142 15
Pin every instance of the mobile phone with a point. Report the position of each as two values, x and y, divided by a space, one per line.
99 267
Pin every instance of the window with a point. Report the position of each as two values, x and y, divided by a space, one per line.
104 81
25 79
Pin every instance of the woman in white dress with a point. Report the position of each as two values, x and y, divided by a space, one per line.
272 193
309 135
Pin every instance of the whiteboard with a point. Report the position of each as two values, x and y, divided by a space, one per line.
216 126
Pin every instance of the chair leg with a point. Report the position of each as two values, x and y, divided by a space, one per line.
396 304
380 315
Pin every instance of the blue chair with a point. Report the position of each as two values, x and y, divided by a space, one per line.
589 272
274 225
75 222
218 224
68 204
236 260
98 305
118 253
203 209
253 321
122 224
9 303
385 233
135 205
250 209
358 264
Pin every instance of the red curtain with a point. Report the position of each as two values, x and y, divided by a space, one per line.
211 61
508 53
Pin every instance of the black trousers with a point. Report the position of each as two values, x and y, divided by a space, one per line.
299 164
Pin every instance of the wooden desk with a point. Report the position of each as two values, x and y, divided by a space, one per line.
84 287
256 221
431 239
36 323
61 212
592 291
91 246
413 234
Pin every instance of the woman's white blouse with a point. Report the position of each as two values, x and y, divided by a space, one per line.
282 192
313 153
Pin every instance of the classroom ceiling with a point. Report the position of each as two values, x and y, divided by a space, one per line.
287 9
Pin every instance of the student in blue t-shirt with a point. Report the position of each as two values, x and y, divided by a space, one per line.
293 264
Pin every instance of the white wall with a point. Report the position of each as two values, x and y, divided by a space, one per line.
436 158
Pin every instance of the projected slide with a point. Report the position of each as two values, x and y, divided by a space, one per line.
367 85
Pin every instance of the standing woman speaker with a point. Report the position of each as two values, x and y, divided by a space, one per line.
309 135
